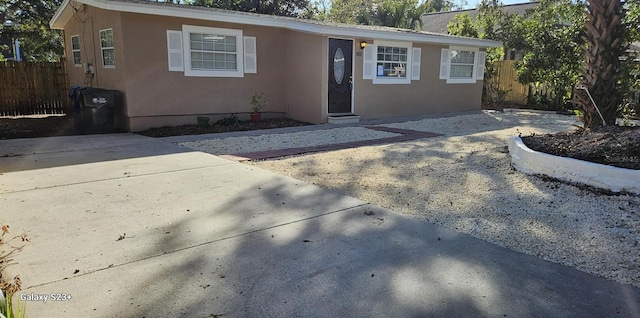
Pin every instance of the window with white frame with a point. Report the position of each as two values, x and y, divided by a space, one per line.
388 62
75 50
213 52
106 46
462 65
391 62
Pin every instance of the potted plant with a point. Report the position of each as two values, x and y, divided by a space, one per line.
258 100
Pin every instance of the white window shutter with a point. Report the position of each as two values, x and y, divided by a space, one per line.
482 58
367 63
250 55
445 63
174 48
415 63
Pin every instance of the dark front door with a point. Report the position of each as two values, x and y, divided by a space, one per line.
340 79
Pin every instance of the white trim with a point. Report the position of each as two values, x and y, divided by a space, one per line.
250 57
416 63
102 49
368 62
76 50
65 13
480 63
176 51
187 29
469 80
392 80
353 74
445 61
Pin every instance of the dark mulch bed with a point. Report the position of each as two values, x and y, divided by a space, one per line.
34 126
37 126
218 128
611 145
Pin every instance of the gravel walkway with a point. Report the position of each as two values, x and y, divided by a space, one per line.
236 145
464 181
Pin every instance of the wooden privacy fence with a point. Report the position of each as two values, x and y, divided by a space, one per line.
506 80
30 88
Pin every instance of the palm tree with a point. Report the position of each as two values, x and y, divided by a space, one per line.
605 39
404 14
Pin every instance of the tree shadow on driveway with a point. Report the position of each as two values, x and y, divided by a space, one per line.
362 261
466 183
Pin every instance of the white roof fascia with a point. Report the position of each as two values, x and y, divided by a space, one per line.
63 7
389 35
269 21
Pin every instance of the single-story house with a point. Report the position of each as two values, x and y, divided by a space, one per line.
175 62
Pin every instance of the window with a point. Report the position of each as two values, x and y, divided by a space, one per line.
462 65
106 45
75 50
213 52
391 62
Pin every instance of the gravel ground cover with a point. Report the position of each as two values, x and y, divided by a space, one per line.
464 181
245 144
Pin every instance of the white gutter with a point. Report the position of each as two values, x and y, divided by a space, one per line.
265 20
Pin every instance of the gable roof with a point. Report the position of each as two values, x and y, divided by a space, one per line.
65 13
438 22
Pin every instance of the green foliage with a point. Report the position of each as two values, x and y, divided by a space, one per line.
7 309
551 38
630 81
462 25
230 121
404 14
258 100
287 8
632 19
393 13
29 22
347 11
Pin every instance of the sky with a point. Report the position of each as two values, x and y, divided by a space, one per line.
473 3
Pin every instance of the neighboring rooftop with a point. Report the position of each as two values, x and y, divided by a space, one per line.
437 22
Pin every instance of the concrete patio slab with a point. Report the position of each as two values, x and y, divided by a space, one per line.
151 230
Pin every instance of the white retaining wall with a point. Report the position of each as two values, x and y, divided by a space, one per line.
573 170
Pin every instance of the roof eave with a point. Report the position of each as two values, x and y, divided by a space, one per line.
388 35
64 13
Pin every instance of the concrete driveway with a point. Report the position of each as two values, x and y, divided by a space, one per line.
131 226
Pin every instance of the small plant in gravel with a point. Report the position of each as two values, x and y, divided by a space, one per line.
9 288
230 121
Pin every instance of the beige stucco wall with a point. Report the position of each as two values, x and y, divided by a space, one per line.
88 24
179 98
306 77
292 71
428 95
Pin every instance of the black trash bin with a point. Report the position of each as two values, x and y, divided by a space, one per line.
97 107
74 94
